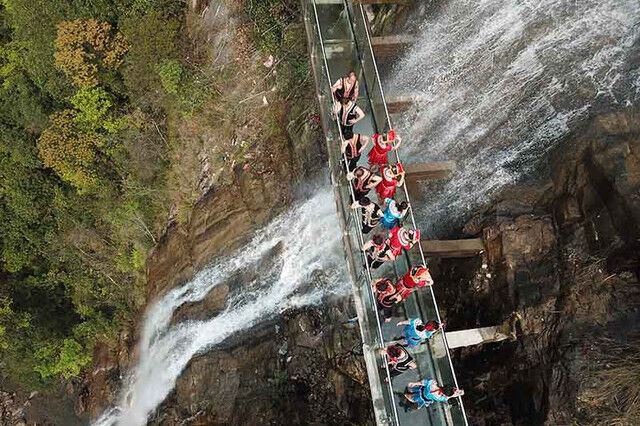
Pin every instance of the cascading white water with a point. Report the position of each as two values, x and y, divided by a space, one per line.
503 80
309 240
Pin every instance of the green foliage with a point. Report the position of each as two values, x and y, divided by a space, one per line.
10 323
64 358
153 39
81 175
170 73
276 32
93 105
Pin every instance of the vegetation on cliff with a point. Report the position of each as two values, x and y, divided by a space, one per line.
107 111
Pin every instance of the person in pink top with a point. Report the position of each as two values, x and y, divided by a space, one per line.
415 278
381 147
392 177
402 238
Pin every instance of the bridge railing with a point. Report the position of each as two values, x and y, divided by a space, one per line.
347 42
371 333
423 307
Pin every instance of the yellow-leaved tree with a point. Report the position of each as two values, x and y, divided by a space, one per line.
70 151
84 47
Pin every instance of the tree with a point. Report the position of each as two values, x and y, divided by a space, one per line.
93 105
85 47
69 151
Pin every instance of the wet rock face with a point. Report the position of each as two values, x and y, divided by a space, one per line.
302 368
565 254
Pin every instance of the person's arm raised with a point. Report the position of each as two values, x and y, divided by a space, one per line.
397 144
366 140
401 179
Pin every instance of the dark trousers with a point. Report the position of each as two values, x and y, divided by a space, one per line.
353 163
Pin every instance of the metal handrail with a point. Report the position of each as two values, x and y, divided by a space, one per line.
413 221
358 231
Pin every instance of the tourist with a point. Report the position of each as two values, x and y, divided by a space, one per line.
381 146
387 296
426 392
348 114
399 359
353 148
371 214
377 251
392 177
415 278
362 180
415 332
346 88
402 238
393 213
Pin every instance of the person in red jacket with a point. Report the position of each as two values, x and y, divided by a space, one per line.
392 177
415 278
402 238
381 146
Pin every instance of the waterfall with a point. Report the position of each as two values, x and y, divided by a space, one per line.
306 240
501 82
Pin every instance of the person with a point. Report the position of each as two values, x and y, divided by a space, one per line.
415 332
387 296
371 214
415 278
402 238
346 87
392 177
399 359
348 114
426 392
363 180
382 146
353 148
393 213
377 251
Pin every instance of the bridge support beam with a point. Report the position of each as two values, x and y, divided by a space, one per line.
475 336
383 1
397 104
453 248
390 46
435 170
510 329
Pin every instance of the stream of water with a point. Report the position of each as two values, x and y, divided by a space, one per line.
503 81
299 245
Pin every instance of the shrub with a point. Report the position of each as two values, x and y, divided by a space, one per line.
170 73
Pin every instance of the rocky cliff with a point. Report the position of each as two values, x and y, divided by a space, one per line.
564 253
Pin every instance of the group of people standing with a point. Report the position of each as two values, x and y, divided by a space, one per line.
387 213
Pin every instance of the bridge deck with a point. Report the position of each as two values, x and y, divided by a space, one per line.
338 41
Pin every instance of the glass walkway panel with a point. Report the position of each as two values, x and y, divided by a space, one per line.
338 38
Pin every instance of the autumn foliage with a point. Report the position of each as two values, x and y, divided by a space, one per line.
69 151
84 47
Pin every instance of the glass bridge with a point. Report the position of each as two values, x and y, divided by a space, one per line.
338 37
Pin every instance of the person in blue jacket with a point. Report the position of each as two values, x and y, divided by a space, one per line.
426 392
415 332
393 213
